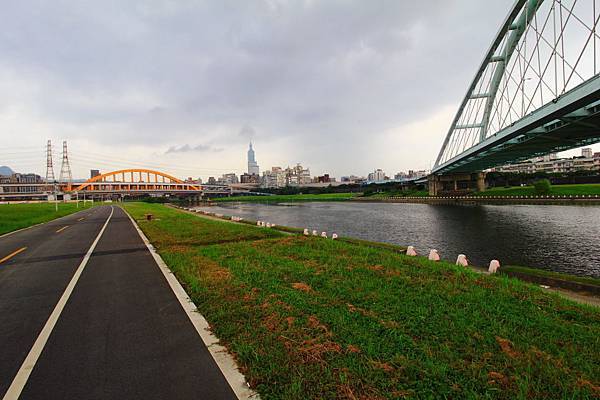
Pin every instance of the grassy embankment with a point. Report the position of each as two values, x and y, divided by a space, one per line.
550 274
289 198
17 216
399 193
309 318
555 190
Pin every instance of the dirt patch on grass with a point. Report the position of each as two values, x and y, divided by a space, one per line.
302 287
353 349
367 313
315 350
382 366
507 347
497 378
584 383
314 323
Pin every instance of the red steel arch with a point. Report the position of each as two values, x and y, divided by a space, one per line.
147 180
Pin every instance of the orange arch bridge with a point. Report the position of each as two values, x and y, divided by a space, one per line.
136 181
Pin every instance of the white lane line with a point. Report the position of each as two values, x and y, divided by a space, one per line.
20 380
224 360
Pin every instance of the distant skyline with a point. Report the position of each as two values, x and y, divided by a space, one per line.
342 87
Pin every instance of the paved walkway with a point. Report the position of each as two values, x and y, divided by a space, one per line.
107 328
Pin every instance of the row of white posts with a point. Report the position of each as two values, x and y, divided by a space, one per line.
323 234
460 260
265 224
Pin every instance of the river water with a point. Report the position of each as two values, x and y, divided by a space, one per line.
558 238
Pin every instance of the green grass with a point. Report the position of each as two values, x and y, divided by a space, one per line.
556 190
309 318
399 193
549 274
17 216
289 198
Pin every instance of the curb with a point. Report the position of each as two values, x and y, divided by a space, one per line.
219 353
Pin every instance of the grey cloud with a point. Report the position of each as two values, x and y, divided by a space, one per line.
186 148
312 74
247 132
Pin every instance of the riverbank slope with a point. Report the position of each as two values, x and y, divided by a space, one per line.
308 317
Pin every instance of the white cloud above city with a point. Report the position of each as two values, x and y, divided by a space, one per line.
342 87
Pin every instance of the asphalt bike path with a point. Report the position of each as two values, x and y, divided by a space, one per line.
122 332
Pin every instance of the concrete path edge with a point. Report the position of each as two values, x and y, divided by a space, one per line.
219 353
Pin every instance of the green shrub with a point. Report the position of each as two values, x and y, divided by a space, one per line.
542 186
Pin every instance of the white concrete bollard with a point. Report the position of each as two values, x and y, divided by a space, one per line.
410 251
306 232
462 260
324 235
268 225
257 223
314 233
494 265
433 255
334 236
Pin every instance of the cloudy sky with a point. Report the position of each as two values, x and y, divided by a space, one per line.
340 86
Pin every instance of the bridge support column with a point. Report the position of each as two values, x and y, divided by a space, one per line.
433 182
456 184
481 181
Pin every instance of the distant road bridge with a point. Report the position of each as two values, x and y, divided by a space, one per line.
537 91
124 182
135 181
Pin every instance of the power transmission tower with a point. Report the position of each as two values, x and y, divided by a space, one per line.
65 168
49 168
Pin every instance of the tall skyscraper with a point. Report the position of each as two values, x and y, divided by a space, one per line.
252 165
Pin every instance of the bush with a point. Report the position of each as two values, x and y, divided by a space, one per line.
542 186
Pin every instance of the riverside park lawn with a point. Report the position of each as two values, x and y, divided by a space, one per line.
18 216
555 190
313 318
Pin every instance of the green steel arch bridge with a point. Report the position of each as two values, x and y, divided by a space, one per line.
537 90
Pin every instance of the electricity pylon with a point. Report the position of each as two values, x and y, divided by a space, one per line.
49 168
65 168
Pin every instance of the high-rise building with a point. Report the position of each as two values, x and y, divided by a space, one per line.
230 178
587 152
249 178
94 173
376 176
252 165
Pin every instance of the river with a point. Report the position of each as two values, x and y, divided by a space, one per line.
558 238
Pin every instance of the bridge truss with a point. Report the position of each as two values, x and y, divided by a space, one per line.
537 90
136 181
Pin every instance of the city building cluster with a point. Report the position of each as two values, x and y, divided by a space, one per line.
298 175
550 163
379 176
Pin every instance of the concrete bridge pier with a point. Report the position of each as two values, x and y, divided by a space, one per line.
456 183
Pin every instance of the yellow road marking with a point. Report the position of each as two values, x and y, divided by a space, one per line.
81 219
14 253
62 229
